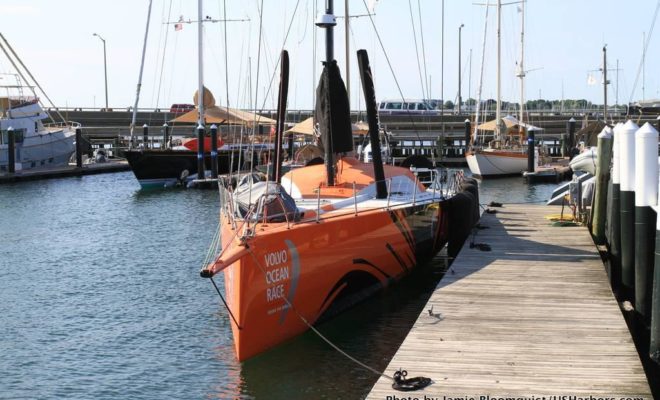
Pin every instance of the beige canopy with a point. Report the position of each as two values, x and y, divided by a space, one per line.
510 122
306 127
222 115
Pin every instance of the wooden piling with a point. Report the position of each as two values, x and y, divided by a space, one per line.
602 180
200 152
78 148
214 152
11 150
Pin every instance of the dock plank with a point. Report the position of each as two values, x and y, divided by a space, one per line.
532 317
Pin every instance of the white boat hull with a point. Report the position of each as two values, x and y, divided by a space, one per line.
585 161
52 148
488 163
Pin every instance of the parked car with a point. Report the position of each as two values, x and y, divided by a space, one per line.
181 108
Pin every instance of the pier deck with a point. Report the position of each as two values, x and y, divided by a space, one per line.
64 171
533 317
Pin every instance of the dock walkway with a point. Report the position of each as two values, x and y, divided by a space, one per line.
532 317
64 171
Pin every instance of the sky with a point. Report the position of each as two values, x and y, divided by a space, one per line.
563 47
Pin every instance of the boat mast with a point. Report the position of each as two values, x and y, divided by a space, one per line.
347 28
139 85
498 112
200 66
521 71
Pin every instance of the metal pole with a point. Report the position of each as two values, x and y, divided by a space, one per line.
605 83
139 84
200 71
105 70
347 28
459 68
442 68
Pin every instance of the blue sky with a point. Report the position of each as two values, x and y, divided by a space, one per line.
564 40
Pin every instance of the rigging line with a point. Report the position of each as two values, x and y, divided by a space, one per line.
256 93
27 71
481 77
421 34
319 334
158 49
304 35
225 303
162 64
389 64
419 65
646 46
286 37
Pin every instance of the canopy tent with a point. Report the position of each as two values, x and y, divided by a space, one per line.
222 115
510 122
306 127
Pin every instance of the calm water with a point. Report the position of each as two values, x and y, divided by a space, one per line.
100 297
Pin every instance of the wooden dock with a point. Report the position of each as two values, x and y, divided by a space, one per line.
64 171
532 317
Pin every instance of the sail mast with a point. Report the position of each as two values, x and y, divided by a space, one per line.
521 71
200 66
139 85
498 112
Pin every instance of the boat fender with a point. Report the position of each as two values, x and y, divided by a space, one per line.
404 384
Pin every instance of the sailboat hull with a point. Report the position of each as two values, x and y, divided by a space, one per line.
321 268
485 163
162 168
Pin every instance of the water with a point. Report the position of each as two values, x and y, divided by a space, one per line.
100 297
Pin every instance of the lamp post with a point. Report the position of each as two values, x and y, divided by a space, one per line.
459 68
105 70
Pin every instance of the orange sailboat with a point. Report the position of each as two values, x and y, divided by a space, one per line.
305 245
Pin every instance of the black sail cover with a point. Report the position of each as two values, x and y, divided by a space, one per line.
332 113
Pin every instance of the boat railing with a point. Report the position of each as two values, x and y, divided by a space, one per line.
445 183
65 124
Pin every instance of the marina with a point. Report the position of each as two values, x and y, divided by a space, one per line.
282 205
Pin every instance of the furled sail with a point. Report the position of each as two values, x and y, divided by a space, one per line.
332 111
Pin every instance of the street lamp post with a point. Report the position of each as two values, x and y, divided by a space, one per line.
105 71
459 68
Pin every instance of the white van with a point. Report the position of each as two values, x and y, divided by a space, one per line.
405 107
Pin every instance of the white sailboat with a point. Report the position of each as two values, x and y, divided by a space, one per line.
506 153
